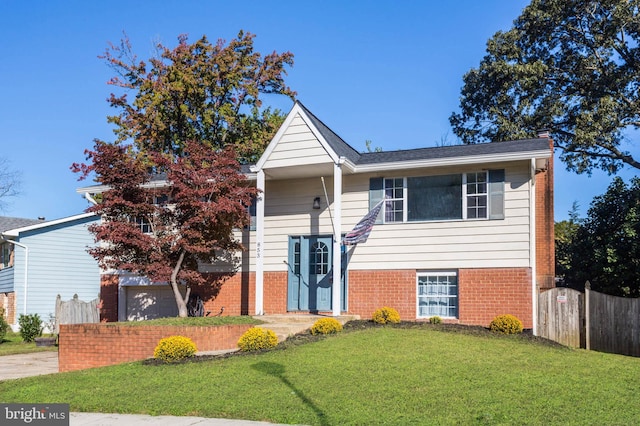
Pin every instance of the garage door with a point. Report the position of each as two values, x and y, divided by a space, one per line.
150 302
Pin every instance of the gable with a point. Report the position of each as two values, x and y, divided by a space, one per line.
297 145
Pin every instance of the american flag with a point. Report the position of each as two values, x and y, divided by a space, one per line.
361 231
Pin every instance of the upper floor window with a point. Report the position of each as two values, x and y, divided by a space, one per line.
476 195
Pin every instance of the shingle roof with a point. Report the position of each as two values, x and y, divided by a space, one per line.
7 223
343 149
454 151
339 146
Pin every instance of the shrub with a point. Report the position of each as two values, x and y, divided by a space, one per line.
435 320
257 338
30 327
326 326
386 315
507 324
174 348
4 327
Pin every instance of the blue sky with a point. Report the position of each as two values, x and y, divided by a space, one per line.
385 71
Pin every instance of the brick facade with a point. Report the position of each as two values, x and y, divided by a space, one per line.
109 298
8 304
97 345
544 227
485 293
370 290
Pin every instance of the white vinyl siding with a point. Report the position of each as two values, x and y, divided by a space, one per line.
298 146
447 244
433 245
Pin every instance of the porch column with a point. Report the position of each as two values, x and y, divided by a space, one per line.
260 244
337 239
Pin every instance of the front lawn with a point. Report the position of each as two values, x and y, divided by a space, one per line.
387 375
12 344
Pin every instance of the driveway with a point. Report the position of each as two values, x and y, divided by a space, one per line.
26 365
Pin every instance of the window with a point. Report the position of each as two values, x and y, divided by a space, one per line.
144 224
6 249
394 196
463 196
434 197
437 294
476 195
319 258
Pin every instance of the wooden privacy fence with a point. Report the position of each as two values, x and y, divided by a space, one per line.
592 320
76 311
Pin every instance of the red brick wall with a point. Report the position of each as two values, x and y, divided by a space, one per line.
109 298
370 290
97 345
485 293
8 303
545 239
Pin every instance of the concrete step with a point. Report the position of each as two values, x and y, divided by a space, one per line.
285 325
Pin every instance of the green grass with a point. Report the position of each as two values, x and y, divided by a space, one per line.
12 344
375 376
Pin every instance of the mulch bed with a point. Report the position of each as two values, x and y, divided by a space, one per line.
358 325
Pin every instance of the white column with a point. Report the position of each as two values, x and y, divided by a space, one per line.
260 244
337 239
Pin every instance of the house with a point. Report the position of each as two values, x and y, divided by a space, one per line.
41 259
464 232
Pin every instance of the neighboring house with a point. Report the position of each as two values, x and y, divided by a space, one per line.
464 233
41 259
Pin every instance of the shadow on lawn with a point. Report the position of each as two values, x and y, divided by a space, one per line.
277 370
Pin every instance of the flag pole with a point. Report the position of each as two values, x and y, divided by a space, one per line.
333 226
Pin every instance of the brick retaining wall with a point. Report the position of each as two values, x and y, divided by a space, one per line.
97 345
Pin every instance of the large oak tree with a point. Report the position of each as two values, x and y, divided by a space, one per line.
175 191
571 66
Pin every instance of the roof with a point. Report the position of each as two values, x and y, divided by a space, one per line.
356 162
7 223
442 152
15 231
336 143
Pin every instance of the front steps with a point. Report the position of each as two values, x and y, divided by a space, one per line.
285 325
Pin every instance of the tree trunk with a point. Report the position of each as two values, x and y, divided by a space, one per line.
180 302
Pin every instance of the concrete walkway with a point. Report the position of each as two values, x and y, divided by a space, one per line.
26 365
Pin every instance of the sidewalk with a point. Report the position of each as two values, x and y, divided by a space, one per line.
100 419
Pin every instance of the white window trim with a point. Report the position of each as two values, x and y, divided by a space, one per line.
447 273
463 188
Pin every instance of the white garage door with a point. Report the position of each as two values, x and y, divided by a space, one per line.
150 302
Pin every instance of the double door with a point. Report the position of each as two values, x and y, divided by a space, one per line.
310 276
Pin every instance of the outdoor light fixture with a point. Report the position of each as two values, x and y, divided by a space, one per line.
316 203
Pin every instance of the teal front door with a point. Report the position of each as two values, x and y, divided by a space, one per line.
310 277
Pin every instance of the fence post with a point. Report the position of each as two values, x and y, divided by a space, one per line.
587 326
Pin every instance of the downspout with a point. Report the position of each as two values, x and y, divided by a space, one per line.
26 268
90 199
532 248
